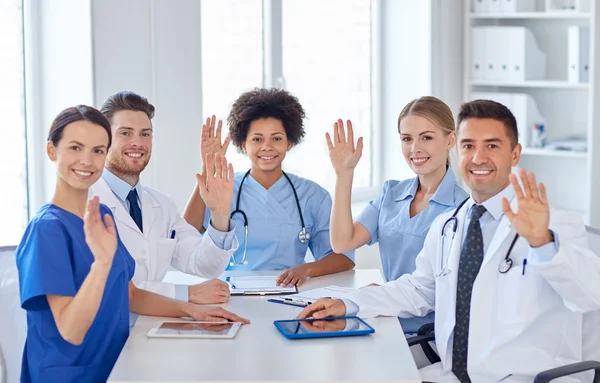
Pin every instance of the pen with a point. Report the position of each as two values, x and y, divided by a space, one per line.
228 280
524 264
173 234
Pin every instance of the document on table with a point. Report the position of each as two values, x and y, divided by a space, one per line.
332 292
257 285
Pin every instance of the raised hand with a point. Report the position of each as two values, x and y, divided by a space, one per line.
533 216
100 233
342 153
210 142
216 186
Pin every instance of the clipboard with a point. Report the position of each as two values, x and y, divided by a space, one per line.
257 285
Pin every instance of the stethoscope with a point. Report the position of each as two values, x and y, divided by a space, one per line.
504 266
303 235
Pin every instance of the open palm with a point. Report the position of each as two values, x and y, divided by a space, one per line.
533 213
216 184
342 153
100 234
210 142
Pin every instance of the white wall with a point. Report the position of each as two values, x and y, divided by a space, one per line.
153 48
406 72
59 75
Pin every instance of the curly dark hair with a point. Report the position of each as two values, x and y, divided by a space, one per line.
265 103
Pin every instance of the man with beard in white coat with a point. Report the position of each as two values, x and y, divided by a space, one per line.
148 221
510 279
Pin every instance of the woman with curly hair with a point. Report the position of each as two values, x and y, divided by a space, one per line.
285 214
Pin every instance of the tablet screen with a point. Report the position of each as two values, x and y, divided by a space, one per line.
195 328
309 326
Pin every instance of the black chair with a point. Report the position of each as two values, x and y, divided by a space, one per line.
427 329
543 377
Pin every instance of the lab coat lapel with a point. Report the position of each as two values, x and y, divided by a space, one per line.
149 211
108 198
446 307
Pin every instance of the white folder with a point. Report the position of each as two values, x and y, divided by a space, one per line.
526 60
494 39
511 6
480 6
494 6
578 54
478 50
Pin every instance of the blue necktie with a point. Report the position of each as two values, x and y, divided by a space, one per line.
134 208
471 257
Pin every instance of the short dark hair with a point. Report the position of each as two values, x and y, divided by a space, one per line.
74 114
493 110
126 100
264 103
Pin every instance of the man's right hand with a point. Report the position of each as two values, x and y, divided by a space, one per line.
215 315
209 292
324 308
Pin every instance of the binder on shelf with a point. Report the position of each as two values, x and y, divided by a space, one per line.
511 6
508 54
480 6
578 54
494 6
477 64
523 107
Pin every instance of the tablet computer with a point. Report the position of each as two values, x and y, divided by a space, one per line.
323 328
190 329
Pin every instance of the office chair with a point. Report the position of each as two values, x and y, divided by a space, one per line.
542 377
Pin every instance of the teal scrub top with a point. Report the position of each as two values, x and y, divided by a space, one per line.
53 258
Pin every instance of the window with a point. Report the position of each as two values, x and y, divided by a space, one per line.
324 59
13 166
232 58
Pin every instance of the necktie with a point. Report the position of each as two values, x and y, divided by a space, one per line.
471 257
134 208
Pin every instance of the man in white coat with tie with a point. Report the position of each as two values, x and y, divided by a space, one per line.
148 221
510 279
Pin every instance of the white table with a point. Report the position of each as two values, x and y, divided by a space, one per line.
259 353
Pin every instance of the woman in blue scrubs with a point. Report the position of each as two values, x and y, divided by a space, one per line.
75 273
265 124
400 217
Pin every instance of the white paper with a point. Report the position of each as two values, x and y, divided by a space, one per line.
257 283
333 292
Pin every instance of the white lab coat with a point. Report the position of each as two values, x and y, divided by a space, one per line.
520 325
153 250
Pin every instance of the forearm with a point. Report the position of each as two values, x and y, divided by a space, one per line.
147 303
74 316
219 220
333 263
194 210
341 226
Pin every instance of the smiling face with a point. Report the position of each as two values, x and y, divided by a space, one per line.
486 156
424 145
266 144
80 154
132 143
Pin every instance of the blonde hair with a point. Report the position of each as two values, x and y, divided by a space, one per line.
433 109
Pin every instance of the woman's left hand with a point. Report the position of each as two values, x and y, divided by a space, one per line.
294 276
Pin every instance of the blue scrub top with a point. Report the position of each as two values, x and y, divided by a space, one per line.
401 237
274 223
53 258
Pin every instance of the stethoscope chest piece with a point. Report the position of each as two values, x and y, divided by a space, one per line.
505 266
303 236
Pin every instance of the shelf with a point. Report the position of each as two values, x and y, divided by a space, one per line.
553 153
531 15
531 84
